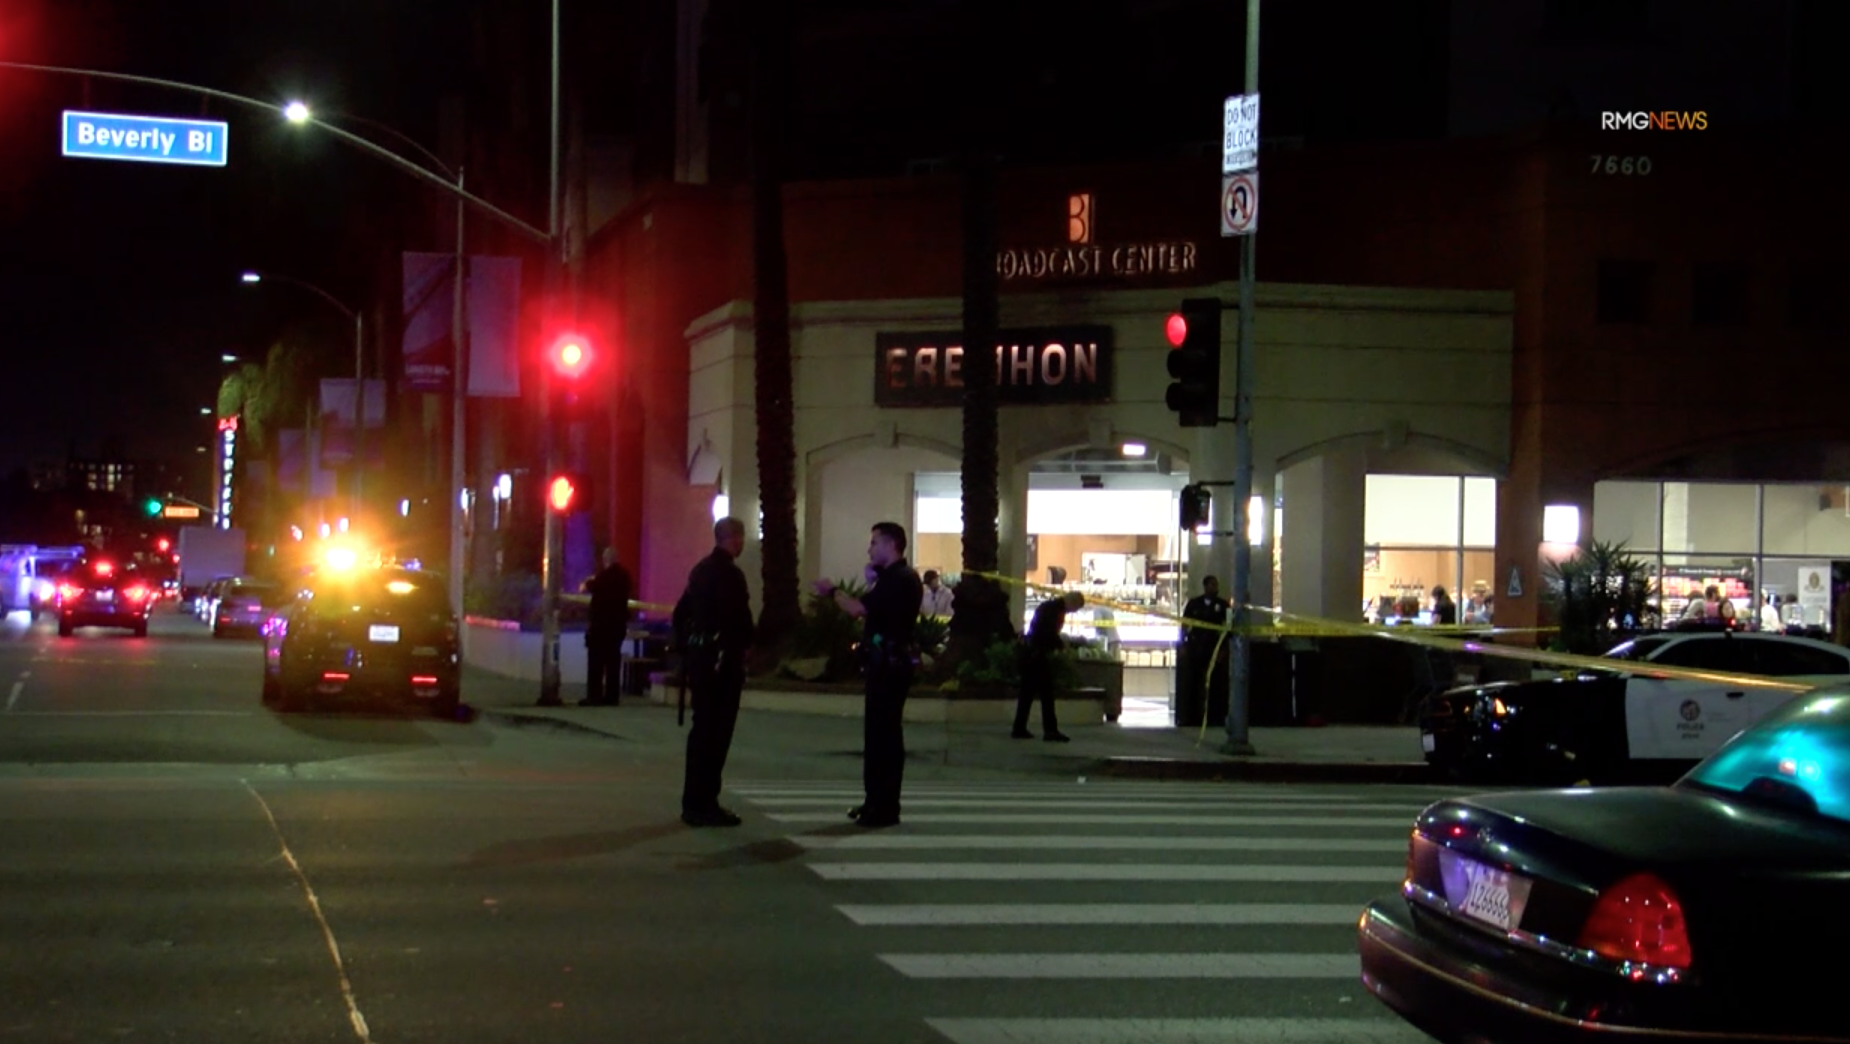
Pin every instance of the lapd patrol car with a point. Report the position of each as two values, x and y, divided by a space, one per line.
1607 727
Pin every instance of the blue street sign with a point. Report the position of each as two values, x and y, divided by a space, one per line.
147 139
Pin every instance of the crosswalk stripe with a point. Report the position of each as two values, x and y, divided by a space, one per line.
956 914
1250 872
1198 794
1032 818
1083 842
1125 965
1083 804
1177 1031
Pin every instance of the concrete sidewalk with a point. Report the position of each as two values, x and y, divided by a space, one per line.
771 744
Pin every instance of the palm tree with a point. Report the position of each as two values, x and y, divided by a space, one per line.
773 383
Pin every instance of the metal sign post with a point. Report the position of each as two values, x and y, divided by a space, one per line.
1242 144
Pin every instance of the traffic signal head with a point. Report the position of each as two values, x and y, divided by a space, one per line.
152 506
163 545
565 493
1197 506
569 355
1194 362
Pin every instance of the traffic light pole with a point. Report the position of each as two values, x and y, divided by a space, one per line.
1240 680
552 554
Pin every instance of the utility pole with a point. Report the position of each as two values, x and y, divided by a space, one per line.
459 399
1240 680
552 556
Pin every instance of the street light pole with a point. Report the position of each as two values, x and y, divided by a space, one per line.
553 545
359 370
459 393
1240 682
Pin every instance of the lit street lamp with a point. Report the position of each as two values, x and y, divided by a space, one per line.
359 366
228 359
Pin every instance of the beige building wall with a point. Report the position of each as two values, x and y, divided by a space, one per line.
1397 379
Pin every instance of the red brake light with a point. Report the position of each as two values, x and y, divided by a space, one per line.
1638 919
69 591
136 593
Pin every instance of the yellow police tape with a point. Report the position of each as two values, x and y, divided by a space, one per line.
1293 624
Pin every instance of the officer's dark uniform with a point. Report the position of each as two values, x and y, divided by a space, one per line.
1197 646
610 620
1038 648
713 625
887 651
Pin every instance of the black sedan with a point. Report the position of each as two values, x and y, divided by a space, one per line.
1703 911
363 635
103 593
1607 726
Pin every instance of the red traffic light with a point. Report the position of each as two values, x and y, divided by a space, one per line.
562 493
570 355
1176 329
162 545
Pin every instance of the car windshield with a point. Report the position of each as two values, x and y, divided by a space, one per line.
1638 649
1798 757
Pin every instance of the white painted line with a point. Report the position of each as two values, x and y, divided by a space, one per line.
1126 965
1249 872
1386 1030
1168 914
1197 793
1084 842
1127 819
13 697
137 714
1101 804
354 1017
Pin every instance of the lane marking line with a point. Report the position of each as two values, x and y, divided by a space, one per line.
354 1016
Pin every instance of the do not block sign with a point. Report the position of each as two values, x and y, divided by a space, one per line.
1239 203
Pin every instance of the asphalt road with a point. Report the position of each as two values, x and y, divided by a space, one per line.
178 863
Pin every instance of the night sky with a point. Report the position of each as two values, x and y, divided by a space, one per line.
121 284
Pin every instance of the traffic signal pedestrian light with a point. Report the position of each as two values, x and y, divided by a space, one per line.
1197 506
569 355
566 493
1194 361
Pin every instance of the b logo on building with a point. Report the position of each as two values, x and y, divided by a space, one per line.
1083 258
1668 119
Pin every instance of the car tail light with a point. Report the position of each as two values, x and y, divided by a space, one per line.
333 676
423 680
1638 919
69 591
136 594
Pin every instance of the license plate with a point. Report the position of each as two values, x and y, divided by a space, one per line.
1484 893
1426 742
105 596
382 633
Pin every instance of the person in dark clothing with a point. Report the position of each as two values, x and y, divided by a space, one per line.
609 625
889 612
1444 610
1038 649
713 628
1202 672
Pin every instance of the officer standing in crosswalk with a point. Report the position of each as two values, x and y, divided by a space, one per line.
890 613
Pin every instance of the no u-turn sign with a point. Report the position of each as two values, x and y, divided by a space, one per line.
1239 203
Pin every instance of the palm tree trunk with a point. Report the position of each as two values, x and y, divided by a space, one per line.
773 383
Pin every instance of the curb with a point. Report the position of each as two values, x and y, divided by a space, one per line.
1235 769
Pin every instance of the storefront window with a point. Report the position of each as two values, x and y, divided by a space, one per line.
1756 544
1427 531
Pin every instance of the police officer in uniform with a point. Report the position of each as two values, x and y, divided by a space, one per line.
609 625
889 612
1196 690
713 628
1040 645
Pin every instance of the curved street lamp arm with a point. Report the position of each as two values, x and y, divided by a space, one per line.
313 289
347 136
397 135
